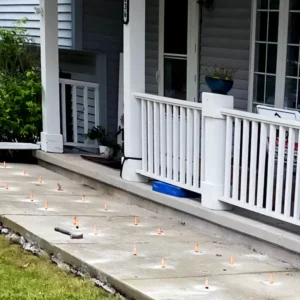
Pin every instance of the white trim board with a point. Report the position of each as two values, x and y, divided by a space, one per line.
19 146
121 97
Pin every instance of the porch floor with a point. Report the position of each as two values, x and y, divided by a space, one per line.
110 253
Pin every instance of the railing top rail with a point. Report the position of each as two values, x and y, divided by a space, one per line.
259 118
165 100
79 83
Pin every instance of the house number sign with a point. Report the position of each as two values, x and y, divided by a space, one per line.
126 12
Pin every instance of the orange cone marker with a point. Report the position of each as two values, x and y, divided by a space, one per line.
163 263
231 260
134 251
206 283
31 197
46 205
105 207
77 223
25 172
251 298
41 179
159 230
83 198
74 220
136 221
4 164
95 230
6 185
196 248
271 279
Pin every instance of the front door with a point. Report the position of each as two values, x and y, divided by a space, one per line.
178 43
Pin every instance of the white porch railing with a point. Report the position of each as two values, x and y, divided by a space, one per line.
247 160
262 165
85 110
171 140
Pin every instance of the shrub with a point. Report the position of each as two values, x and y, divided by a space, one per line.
20 107
17 53
20 87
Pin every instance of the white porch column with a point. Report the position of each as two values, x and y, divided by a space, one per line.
134 81
213 141
51 137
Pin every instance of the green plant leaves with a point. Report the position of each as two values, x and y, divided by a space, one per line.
20 87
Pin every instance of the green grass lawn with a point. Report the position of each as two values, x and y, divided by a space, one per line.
24 276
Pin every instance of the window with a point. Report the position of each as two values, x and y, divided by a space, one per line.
175 49
276 62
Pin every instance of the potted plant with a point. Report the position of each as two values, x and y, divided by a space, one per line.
220 79
107 147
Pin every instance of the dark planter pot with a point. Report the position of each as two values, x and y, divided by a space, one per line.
219 86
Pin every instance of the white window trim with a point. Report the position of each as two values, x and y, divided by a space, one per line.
252 55
281 54
192 50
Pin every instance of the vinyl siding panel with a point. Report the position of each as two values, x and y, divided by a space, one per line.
14 10
103 32
225 41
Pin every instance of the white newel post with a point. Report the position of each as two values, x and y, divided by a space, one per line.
134 81
213 150
51 138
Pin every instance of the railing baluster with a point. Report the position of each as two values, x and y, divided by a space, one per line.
150 136
289 173
63 111
261 164
196 163
169 142
271 167
253 162
297 180
189 150
97 107
163 139
228 153
280 166
236 159
175 143
182 145
85 110
74 113
156 139
245 157
144 136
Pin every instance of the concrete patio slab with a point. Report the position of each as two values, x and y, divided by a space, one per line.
232 224
109 254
